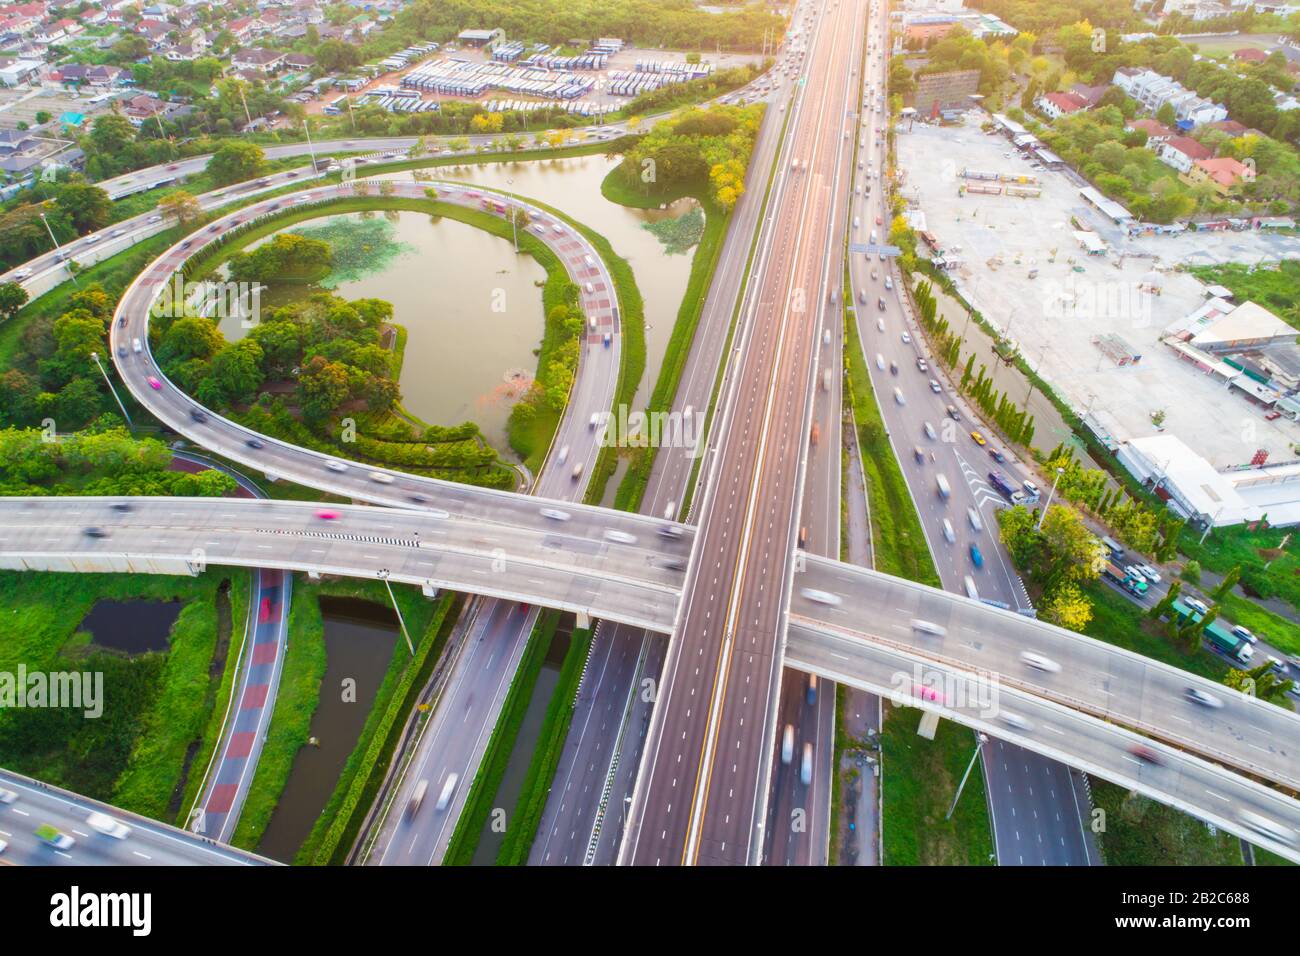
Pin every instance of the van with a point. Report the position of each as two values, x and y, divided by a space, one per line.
787 744
812 688
670 511
448 789
595 420
1111 545
136 346
806 768
944 490
826 380
417 797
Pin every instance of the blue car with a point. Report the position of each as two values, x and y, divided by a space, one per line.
976 558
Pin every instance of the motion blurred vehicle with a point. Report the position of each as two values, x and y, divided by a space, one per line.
997 456
103 823
1146 755
928 627
381 478
821 597
336 466
94 532
555 514
254 443
1198 696
154 383
1015 721
327 515
52 836
976 557
1039 663
448 788
622 537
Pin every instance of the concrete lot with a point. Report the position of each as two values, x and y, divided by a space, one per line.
22 105
1055 316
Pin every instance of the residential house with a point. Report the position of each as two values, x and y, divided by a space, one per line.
1223 174
1154 91
1181 152
257 58
1056 105
1156 131
15 72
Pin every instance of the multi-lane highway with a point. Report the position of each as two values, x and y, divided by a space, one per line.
701 792
27 805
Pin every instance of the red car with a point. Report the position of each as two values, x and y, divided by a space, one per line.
877 220
1272 416
928 693
264 611
154 383
326 515
1146 754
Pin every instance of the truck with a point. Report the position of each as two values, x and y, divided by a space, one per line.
1135 586
1005 488
1229 645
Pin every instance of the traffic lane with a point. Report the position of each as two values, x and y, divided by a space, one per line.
1097 747
149 842
149 551
1034 800
454 739
232 525
797 818
727 829
1083 673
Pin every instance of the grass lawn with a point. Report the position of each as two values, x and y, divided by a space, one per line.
1142 832
920 778
156 705
1263 623
1120 622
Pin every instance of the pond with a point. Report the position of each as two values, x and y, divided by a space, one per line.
134 627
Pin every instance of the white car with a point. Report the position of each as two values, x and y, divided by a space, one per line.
337 466
1148 572
7 796
821 597
1039 663
106 825
974 517
1198 696
622 537
907 339
380 477
1197 605
949 534
928 627
555 514
1015 721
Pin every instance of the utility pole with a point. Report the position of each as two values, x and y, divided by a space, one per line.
59 249
109 383
1050 495
383 576
981 739
306 125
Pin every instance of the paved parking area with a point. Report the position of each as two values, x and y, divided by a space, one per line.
1075 297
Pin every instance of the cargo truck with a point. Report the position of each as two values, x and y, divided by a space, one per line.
1005 488
1228 644
1133 585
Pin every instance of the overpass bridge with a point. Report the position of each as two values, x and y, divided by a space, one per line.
1087 714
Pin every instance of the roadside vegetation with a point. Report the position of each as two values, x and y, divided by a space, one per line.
1139 831
155 704
1276 287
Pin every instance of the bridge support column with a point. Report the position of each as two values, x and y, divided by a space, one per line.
584 620
313 575
194 567
429 591
271 477
929 724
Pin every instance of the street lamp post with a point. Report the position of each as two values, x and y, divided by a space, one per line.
1043 514
59 250
383 576
514 219
1210 524
980 741
108 382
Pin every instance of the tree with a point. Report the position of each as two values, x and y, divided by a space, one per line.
1167 602
237 161
87 206
1067 606
1167 116
1227 584
189 337
1075 554
237 370
1192 572
323 386
12 298
181 206
1262 682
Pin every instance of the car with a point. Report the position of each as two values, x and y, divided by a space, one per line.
893 368
1267 828
1244 634
7 796
52 836
922 365
935 386
562 455
907 339
877 220
254 443
622 537
1148 572
325 514
880 304
154 383
880 361
821 597
95 532
1039 663
880 325
555 514
121 506
121 351
418 498
115 233
381 478
921 692
154 219
997 456
1197 696
91 240
976 557
1015 721
978 438
187 243
875 274
889 283
336 466
103 823
22 274
928 627
949 534
1146 755
899 397
1197 605
953 413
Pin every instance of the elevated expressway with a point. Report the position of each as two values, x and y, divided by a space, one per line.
576 569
